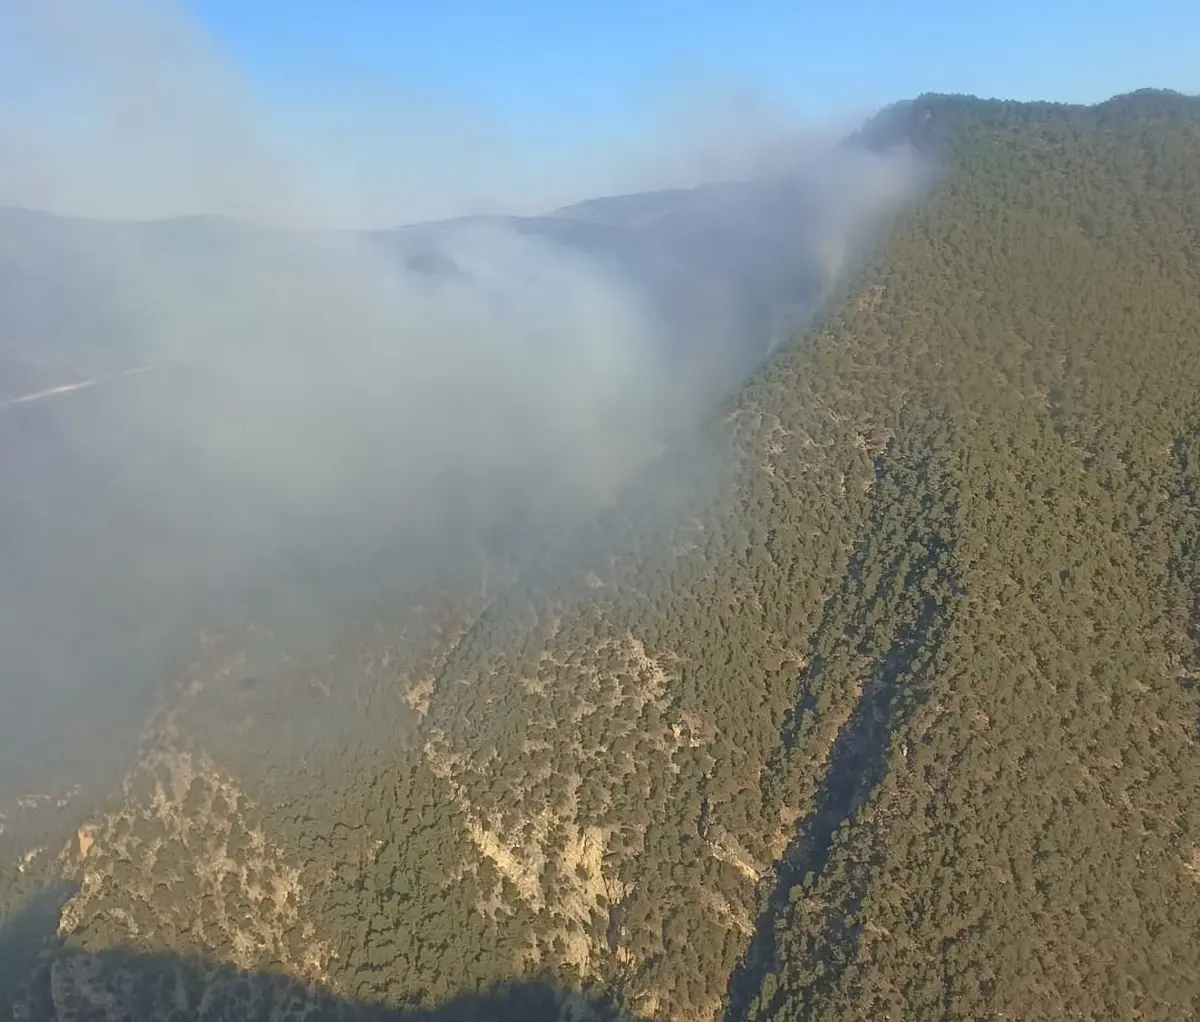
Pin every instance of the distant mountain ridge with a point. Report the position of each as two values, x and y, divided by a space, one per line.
677 246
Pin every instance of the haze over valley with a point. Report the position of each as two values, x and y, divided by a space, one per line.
267 410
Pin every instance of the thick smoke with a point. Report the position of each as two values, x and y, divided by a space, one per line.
311 408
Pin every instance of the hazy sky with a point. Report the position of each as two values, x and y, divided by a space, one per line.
585 91
400 110
544 67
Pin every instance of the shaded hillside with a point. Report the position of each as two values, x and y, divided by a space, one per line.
123 985
896 716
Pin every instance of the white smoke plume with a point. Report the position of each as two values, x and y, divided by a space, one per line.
305 392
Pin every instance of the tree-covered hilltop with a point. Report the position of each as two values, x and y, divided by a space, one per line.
895 716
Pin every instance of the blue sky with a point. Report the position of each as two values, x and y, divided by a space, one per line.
545 66
586 95
393 110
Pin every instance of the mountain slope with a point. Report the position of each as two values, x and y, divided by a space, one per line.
895 716
1026 845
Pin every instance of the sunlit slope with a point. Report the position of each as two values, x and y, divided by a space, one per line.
893 716
1018 836
929 661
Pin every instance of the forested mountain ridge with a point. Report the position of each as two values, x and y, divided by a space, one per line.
897 717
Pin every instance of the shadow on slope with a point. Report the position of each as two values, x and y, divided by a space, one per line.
877 644
41 980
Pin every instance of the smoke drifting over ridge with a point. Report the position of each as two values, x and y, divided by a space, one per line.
317 400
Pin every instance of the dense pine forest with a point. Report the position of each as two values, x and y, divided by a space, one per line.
891 715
